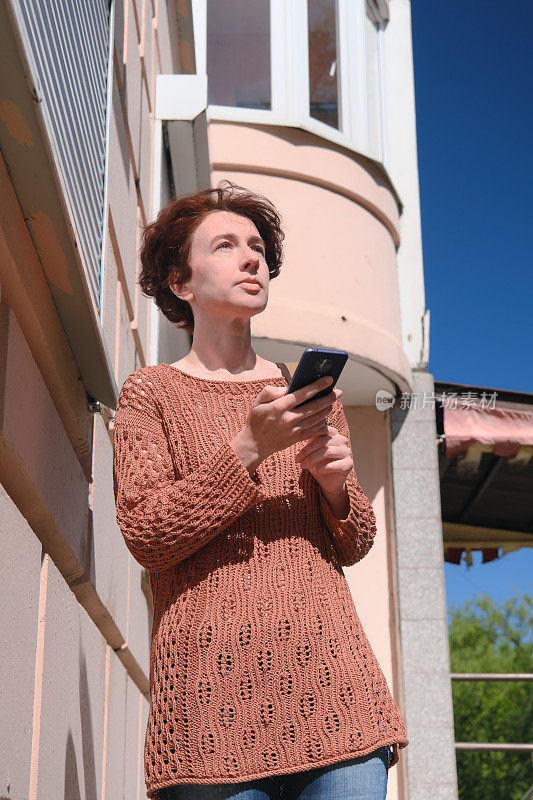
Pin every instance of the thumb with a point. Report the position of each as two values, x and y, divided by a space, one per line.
274 391
269 393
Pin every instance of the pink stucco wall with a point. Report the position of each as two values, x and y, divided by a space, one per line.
339 280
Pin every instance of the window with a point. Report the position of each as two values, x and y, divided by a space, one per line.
312 64
323 60
238 53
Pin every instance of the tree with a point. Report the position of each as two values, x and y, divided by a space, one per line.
487 637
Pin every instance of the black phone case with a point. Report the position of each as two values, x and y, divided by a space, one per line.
314 364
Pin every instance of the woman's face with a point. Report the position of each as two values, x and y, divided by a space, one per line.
225 249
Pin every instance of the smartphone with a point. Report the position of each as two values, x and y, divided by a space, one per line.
314 364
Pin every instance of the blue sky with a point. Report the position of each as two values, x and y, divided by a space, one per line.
473 69
473 65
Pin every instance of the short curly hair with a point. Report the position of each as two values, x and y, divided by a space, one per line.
166 242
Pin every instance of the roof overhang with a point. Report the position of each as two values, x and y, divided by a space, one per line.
486 468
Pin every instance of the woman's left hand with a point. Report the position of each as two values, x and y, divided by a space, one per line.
328 457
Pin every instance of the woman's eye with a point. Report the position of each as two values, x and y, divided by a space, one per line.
256 247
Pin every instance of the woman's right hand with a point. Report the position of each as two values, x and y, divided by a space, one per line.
273 422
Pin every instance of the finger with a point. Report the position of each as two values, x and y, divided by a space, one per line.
303 422
312 431
316 460
312 388
321 430
315 441
316 406
331 434
269 394
329 465
322 452
303 455
307 392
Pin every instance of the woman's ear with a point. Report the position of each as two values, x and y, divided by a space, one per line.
181 291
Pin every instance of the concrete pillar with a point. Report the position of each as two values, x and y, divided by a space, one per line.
431 768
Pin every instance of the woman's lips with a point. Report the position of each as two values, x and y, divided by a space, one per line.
249 285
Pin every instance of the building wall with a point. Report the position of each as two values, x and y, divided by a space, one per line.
341 224
372 580
76 615
400 158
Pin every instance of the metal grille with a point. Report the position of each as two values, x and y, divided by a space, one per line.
69 44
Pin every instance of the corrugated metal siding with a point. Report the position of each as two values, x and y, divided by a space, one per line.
69 42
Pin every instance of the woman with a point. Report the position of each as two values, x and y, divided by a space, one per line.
244 509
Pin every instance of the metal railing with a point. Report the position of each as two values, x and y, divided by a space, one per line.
493 676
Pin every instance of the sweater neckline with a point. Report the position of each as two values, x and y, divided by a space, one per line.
217 382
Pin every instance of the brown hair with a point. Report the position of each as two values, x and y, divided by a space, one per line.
166 242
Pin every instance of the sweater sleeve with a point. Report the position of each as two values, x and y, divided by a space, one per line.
165 517
353 535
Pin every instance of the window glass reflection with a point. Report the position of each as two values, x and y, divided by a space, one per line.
238 53
372 86
323 61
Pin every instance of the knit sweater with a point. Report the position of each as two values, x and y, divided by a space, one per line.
259 664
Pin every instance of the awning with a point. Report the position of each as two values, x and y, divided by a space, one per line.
506 431
486 473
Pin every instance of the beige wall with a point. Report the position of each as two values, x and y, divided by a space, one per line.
338 284
75 618
371 581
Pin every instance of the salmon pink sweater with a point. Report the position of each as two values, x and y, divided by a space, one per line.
259 664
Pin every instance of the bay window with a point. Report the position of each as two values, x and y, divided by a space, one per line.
313 64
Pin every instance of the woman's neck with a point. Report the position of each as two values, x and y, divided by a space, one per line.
261 369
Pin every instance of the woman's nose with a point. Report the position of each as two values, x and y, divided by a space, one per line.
252 257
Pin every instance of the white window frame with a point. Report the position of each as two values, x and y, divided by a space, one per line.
290 73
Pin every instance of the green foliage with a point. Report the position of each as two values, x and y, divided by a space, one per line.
490 637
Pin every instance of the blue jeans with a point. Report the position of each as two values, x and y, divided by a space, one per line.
362 778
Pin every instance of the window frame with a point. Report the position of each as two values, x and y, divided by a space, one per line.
290 74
